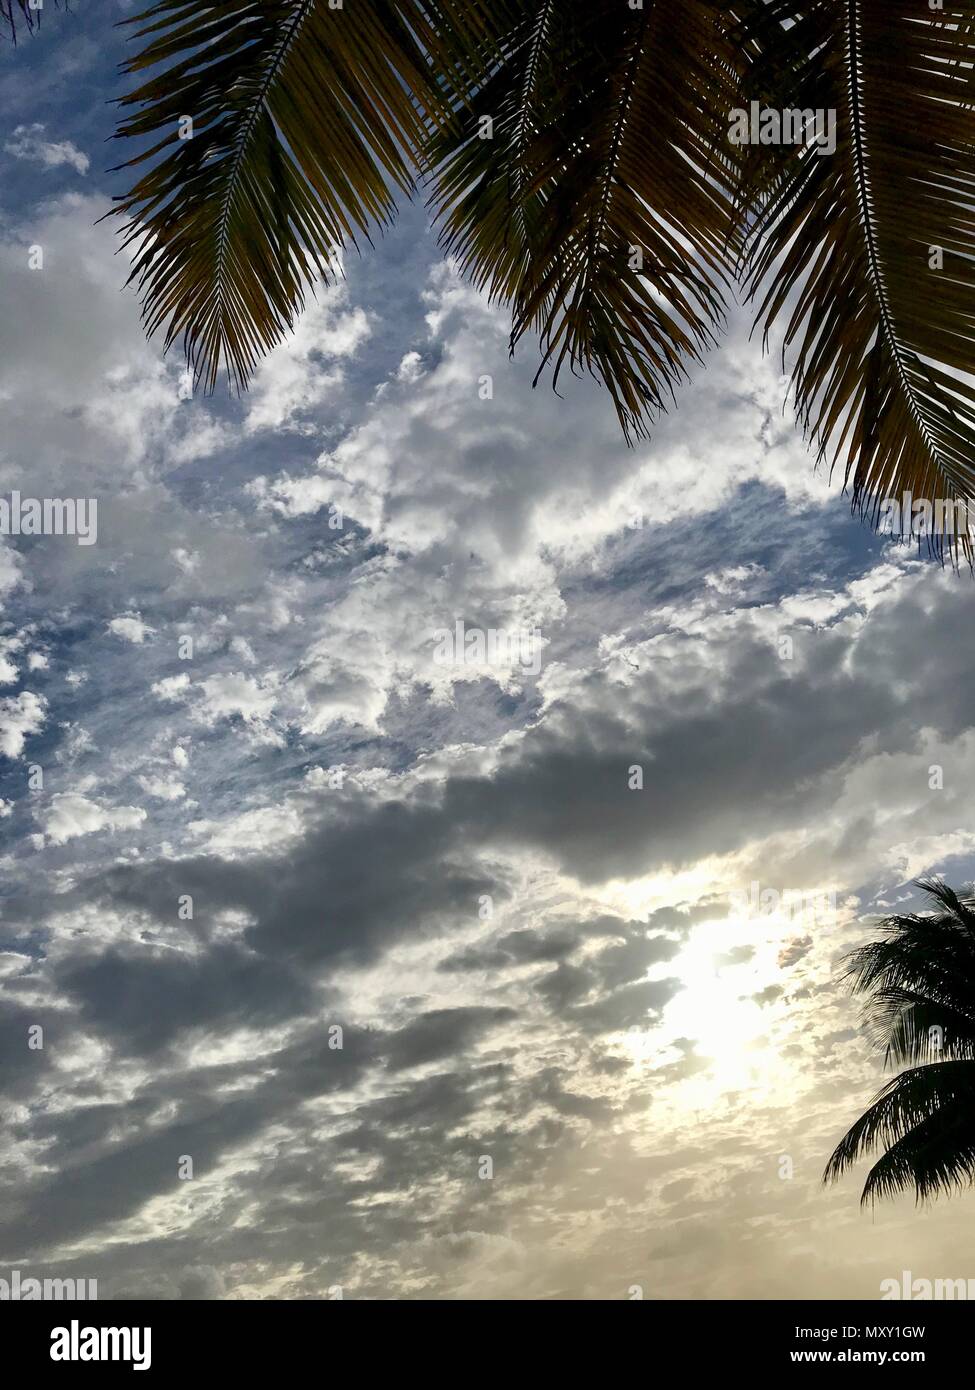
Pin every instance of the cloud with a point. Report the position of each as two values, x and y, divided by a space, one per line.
28 142
163 788
528 958
20 716
171 688
298 378
130 627
69 814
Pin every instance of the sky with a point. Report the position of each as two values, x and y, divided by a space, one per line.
365 969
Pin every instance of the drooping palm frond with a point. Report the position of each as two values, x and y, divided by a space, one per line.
588 185
14 13
583 173
869 252
923 1118
275 135
919 981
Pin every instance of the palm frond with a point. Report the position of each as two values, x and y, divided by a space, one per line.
919 981
925 1120
10 12
912 1028
937 1156
960 905
920 957
599 206
20 12
844 245
273 135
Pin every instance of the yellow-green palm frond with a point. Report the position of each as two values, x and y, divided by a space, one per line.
868 253
273 135
587 185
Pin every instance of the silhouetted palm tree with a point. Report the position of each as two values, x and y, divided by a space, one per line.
920 979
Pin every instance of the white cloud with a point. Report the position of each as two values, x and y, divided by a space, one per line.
295 496
163 788
242 648
20 716
186 560
410 368
8 668
131 627
493 542
331 691
68 815
304 371
233 693
251 832
172 688
28 142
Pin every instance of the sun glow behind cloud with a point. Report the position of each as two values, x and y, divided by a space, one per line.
718 1007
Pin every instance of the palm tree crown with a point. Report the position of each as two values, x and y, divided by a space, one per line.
920 983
